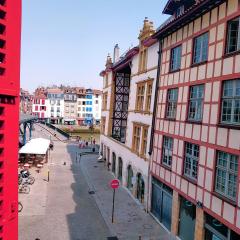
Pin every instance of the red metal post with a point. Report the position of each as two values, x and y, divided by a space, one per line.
10 39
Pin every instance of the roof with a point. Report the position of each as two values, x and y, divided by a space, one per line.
125 58
173 23
36 146
40 96
54 90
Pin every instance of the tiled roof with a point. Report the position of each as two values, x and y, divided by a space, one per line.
172 20
54 90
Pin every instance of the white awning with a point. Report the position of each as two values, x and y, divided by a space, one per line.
36 146
69 120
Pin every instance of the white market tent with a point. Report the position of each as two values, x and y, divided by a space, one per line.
35 146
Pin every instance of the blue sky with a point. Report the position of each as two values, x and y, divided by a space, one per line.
67 41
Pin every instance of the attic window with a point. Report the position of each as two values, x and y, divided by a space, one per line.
180 11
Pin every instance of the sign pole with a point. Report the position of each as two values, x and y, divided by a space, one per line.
113 205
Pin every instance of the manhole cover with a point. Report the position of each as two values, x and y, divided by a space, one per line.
112 238
96 166
91 192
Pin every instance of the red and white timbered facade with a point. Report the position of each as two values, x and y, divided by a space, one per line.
196 154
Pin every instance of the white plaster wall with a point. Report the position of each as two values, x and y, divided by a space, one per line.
134 68
97 107
129 158
152 56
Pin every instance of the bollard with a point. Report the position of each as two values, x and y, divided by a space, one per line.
48 175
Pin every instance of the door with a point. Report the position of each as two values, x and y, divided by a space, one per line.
187 220
162 203
156 201
166 210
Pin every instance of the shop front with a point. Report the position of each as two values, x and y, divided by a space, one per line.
161 206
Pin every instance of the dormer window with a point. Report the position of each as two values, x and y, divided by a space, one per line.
180 11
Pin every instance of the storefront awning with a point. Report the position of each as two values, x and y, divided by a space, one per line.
36 146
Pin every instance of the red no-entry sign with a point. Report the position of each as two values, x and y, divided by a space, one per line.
114 184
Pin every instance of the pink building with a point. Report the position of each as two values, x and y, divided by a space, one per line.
39 107
195 164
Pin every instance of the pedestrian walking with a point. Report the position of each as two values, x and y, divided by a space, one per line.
84 143
94 141
108 166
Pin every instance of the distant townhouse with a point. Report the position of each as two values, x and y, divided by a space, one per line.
55 105
127 110
25 102
195 190
88 106
97 106
70 106
39 106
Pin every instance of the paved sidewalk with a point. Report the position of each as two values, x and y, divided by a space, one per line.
131 221
61 209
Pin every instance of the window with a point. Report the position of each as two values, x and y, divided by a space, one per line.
136 137
172 97
83 109
215 230
36 108
106 80
191 160
233 35
226 174
231 102
200 53
103 123
142 60
167 151
176 58
196 103
144 141
104 107
140 96
149 96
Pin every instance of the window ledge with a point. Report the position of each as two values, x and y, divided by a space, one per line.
174 71
226 55
142 71
142 112
143 156
232 202
194 122
232 126
198 64
166 166
170 119
189 179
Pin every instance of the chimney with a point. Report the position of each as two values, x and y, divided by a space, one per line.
116 53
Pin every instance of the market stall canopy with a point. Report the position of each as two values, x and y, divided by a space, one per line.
35 146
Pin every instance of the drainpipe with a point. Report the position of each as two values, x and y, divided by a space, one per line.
154 117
